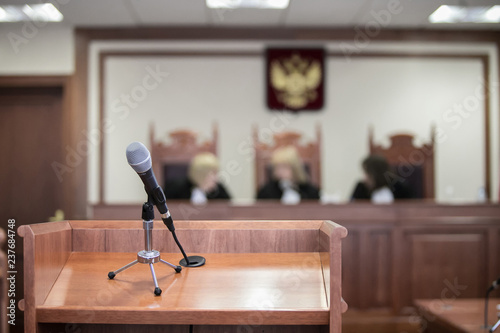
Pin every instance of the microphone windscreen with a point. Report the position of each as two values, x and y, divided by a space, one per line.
138 157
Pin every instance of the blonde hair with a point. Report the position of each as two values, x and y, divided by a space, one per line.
201 165
289 155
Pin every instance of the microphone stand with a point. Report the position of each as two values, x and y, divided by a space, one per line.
148 255
486 309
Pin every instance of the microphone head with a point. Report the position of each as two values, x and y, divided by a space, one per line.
138 157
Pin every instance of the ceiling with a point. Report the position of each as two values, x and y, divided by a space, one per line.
311 13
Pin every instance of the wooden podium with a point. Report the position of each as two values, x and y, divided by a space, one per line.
270 276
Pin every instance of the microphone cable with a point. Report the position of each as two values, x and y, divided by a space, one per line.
180 247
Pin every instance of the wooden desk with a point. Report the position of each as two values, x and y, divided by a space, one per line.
456 316
264 273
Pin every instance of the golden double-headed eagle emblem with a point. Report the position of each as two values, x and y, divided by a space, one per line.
295 80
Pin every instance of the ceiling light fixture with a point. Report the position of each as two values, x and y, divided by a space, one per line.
493 14
45 12
259 4
460 14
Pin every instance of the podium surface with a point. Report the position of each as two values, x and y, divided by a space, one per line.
456 315
283 275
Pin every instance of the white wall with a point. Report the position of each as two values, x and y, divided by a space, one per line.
407 95
28 49
392 94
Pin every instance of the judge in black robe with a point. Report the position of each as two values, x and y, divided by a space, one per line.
201 183
289 179
378 176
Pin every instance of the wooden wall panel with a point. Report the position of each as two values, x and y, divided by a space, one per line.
379 269
89 328
201 240
445 265
125 240
211 241
284 241
263 329
164 242
367 267
494 259
47 247
89 240
378 321
92 328
52 250
351 269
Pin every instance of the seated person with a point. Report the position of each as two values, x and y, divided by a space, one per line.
201 184
376 185
289 183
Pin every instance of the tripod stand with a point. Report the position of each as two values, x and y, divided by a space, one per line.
147 256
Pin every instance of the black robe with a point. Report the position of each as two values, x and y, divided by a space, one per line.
272 190
181 189
399 191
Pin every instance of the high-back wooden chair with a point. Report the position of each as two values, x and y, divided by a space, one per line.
171 161
411 164
310 154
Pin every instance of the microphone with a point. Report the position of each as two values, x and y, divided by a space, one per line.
494 285
139 159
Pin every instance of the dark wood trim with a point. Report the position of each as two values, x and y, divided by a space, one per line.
34 81
487 144
288 33
102 92
416 55
175 53
498 124
257 53
78 124
65 83
69 195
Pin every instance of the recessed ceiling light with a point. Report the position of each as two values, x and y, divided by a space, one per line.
45 12
460 14
259 4
493 14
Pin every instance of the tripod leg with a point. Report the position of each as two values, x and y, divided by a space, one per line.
177 268
111 275
495 326
157 289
